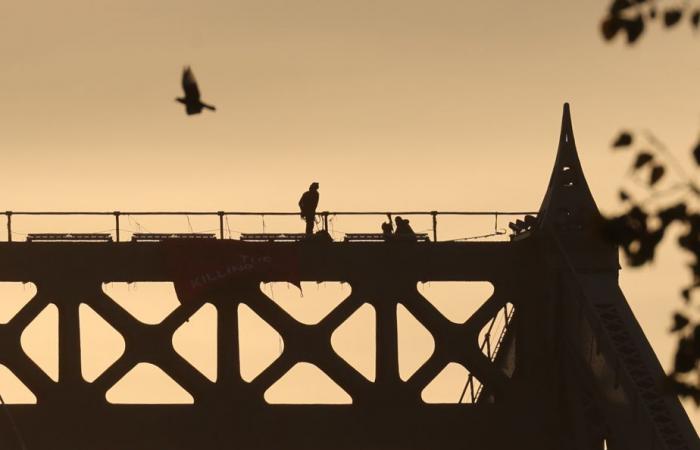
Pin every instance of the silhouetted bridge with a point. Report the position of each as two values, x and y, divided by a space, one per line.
573 368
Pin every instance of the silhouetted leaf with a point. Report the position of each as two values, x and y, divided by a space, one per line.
656 174
623 140
695 268
676 212
634 28
671 385
690 241
694 221
672 16
679 322
645 249
696 154
618 6
642 159
610 26
623 196
695 18
685 356
685 293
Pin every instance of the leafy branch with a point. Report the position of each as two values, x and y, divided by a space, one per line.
668 196
632 17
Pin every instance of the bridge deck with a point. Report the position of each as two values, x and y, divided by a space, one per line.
151 261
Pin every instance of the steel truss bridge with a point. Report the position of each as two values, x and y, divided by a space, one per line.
573 369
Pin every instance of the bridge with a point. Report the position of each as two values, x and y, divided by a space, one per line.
571 369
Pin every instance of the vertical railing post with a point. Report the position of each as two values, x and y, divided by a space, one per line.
470 383
116 224
434 214
471 388
9 225
325 220
221 224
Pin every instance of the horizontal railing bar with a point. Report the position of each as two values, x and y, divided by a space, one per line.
265 213
59 213
430 213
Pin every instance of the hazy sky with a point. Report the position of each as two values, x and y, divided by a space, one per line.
388 104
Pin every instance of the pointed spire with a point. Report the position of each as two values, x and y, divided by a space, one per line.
567 130
568 208
568 199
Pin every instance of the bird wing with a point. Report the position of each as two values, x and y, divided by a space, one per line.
189 84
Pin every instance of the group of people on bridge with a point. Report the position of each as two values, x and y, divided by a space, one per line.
309 202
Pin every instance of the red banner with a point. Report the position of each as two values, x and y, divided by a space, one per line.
200 268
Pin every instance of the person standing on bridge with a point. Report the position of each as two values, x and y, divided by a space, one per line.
307 205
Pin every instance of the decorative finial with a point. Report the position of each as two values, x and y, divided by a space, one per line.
568 209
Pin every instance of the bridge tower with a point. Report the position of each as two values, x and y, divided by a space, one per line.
573 368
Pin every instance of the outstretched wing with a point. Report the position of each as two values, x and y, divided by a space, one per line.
189 84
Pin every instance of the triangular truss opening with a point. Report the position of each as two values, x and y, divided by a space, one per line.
259 344
456 300
355 340
306 384
100 344
415 342
149 302
39 340
13 296
452 385
148 384
12 390
311 303
195 340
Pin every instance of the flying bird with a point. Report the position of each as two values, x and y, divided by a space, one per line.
193 105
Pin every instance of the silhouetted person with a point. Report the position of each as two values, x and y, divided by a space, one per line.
387 229
307 205
404 230
193 105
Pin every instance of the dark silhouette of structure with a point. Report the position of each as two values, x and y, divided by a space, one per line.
307 205
573 368
191 100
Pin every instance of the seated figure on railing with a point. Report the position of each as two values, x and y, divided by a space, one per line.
388 229
404 231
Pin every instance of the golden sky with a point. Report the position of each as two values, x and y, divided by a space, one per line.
409 104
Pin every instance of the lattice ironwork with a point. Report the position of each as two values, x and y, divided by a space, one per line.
152 343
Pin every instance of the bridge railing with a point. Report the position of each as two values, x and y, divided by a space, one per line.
500 218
